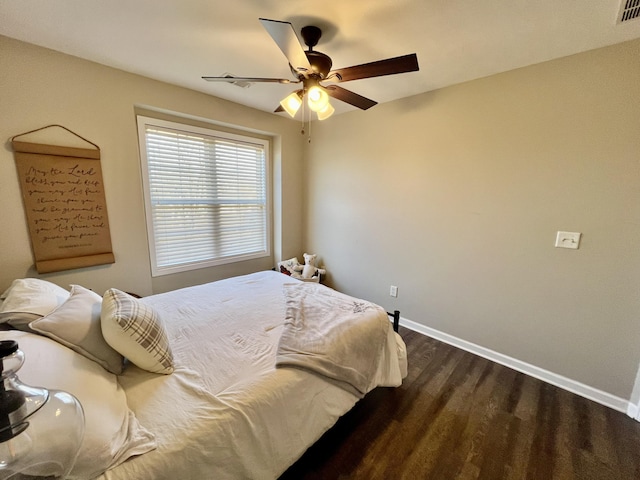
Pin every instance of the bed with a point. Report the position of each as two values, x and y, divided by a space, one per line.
260 367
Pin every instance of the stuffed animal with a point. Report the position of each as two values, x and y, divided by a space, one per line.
309 268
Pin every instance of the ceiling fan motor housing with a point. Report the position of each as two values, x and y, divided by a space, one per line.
320 66
320 63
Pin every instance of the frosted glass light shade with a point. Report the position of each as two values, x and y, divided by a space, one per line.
291 103
317 99
326 112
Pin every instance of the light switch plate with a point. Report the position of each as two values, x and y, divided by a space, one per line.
568 240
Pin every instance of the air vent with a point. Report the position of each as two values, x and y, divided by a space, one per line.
629 10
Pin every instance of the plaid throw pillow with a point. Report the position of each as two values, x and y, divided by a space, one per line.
136 332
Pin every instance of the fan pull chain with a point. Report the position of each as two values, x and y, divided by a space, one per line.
302 131
304 114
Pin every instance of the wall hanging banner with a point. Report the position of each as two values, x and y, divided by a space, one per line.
64 202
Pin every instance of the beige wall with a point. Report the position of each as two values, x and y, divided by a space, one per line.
455 196
40 87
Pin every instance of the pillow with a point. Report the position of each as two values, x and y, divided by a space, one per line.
112 431
76 324
31 296
136 331
19 320
288 265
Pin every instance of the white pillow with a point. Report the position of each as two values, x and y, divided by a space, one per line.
31 296
288 265
112 432
76 324
136 331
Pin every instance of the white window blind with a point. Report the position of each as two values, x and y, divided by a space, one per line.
206 195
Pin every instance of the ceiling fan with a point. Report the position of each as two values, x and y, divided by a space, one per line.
312 67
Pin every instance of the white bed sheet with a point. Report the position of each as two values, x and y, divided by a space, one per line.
227 412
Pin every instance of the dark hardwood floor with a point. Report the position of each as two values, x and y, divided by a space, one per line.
459 416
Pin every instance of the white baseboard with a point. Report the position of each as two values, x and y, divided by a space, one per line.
599 396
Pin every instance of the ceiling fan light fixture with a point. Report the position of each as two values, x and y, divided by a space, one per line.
292 103
317 98
326 112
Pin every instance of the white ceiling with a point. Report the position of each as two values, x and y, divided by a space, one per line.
178 41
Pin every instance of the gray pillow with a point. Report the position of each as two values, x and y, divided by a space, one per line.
19 320
76 324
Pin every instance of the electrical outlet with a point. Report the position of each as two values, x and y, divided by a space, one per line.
393 291
568 240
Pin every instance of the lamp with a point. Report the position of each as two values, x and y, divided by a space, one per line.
40 430
326 112
317 99
292 103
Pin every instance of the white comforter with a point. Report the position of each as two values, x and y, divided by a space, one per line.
227 412
333 335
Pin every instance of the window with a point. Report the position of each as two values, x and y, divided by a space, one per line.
205 195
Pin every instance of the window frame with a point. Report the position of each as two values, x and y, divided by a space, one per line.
143 121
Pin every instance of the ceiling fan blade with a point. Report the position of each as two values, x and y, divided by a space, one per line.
390 66
349 97
232 79
279 109
285 37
